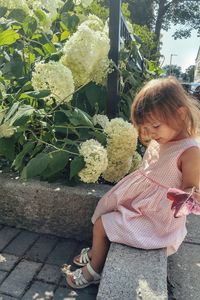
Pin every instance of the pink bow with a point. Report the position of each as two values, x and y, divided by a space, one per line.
183 203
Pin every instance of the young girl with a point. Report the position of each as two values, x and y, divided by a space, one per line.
136 211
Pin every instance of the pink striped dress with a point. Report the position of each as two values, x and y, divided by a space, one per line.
136 211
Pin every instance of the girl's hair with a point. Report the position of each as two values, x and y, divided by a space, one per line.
160 99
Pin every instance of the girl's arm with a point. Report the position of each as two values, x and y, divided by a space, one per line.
190 168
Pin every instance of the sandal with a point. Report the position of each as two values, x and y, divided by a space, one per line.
83 258
80 282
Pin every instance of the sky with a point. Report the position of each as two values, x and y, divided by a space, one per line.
185 49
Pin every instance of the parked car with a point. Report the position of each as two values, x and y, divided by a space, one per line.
196 92
192 88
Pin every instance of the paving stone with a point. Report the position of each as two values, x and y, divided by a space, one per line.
10 261
41 249
69 294
6 235
17 281
193 229
39 290
63 251
5 297
184 272
21 243
50 273
2 276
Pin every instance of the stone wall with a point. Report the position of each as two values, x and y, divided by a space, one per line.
49 208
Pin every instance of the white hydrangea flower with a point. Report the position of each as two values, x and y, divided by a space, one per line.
85 3
93 22
95 157
136 162
121 145
102 120
86 54
10 4
6 130
49 7
56 77
116 170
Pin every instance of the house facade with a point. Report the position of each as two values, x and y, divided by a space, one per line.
197 67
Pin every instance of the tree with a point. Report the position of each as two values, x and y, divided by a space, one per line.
163 13
189 74
173 70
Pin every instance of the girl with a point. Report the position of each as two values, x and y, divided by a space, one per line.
136 211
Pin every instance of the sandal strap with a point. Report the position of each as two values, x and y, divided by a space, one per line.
92 272
84 258
79 278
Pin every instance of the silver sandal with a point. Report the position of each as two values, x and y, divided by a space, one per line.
83 258
80 282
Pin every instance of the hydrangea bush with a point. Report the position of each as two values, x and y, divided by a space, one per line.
54 67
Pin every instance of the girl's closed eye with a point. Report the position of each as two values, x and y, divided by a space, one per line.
156 125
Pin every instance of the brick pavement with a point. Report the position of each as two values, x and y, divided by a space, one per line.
30 266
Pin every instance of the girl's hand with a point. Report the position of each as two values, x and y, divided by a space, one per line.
196 195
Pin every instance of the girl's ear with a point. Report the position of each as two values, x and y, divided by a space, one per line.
182 112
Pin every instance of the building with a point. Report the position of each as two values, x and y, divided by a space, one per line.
197 67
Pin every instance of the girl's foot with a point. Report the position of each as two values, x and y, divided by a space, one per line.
83 258
81 278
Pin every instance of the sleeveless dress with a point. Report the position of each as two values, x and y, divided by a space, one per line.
136 211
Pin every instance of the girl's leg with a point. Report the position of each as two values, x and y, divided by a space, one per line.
99 241
100 246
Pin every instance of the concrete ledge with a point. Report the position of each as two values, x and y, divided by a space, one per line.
134 274
49 208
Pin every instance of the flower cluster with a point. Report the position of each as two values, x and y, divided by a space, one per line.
95 157
17 4
101 120
94 23
121 145
49 8
6 130
84 3
86 53
55 77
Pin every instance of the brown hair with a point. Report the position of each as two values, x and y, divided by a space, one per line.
161 99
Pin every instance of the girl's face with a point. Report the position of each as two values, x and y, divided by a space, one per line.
162 132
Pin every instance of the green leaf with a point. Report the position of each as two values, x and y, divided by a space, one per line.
7 148
49 48
36 166
18 162
17 14
79 117
21 115
76 166
69 5
3 11
12 110
41 15
29 26
100 137
17 65
57 160
96 94
35 94
8 37
70 21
